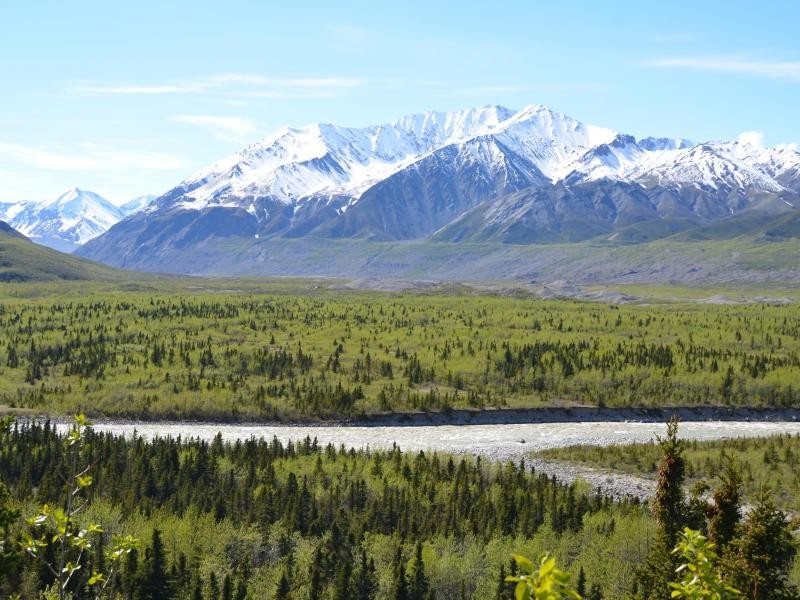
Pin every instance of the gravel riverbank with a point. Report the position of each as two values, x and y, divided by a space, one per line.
489 441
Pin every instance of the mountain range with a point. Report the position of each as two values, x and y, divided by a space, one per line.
487 175
71 219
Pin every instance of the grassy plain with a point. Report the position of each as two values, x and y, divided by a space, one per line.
308 349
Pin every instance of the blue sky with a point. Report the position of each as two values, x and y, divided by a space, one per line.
129 98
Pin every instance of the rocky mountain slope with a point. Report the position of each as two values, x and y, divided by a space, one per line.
487 175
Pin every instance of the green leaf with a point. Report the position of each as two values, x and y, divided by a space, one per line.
522 591
547 567
524 564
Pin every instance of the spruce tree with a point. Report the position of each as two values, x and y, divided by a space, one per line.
725 514
762 554
197 588
213 587
595 593
418 584
283 589
155 582
364 584
668 503
341 591
315 588
129 580
501 592
227 587
668 509
8 554
580 586
241 591
400 582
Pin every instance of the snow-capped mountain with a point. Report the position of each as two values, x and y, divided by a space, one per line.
325 159
66 222
413 177
136 204
71 219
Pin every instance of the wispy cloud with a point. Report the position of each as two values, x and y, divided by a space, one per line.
785 70
221 127
89 157
303 82
232 83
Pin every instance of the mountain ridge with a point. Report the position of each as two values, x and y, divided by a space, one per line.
69 220
485 174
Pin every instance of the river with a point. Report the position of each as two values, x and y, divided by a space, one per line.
494 441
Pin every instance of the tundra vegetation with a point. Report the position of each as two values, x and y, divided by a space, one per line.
287 355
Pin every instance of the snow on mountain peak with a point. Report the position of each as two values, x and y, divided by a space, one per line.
134 205
326 160
323 158
70 219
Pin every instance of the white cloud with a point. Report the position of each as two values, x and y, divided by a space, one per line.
230 83
752 138
320 82
259 80
94 158
309 94
788 71
223 127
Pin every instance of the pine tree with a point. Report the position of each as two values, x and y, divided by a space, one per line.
341 591
283 589
8 554
501 592
155 584
227 587
400 582
725 515
580 586
761 555
595 593
197 588
365 583
418 584
668 503
315 588
213 587
130 575
241 591
668 509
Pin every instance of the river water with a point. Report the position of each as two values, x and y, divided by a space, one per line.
500 442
